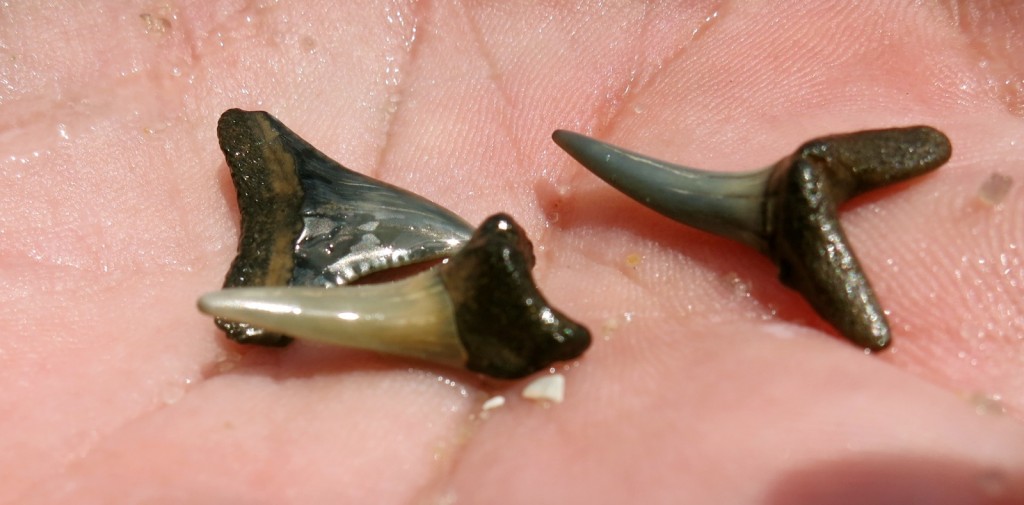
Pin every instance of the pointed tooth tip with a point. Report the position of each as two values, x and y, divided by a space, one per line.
214 303
564 136
573 143
235 303
599 157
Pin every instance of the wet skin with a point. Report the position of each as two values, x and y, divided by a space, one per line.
719 387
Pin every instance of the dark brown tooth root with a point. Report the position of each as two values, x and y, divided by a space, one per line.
810 247
507 327
862 161
815 258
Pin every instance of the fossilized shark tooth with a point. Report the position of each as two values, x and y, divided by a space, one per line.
788 211
308 221
479 310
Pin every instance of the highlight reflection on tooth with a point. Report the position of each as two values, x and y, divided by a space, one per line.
480 310
308 221
788 211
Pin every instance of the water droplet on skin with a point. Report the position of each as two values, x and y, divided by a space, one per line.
740 287
609 327
172 394
783 331
987 404
227 361
155 24
613 324
448 498
175 391
392 104
893 265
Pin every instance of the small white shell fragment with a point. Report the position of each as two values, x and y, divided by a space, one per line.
546 388
493 403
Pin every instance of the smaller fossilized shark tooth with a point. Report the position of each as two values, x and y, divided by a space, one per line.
788 211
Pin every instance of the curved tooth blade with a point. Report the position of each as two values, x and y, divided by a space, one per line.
412 317
726 204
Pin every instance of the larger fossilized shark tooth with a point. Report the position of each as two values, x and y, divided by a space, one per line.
788 211
479 311
306 220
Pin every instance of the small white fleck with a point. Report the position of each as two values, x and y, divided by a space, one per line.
172 394
987 404
493 403
546 388
175 391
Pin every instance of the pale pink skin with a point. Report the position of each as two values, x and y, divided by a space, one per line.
720 386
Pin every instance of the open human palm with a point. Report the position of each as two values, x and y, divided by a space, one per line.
708 382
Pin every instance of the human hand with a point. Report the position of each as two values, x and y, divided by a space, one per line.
708 382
